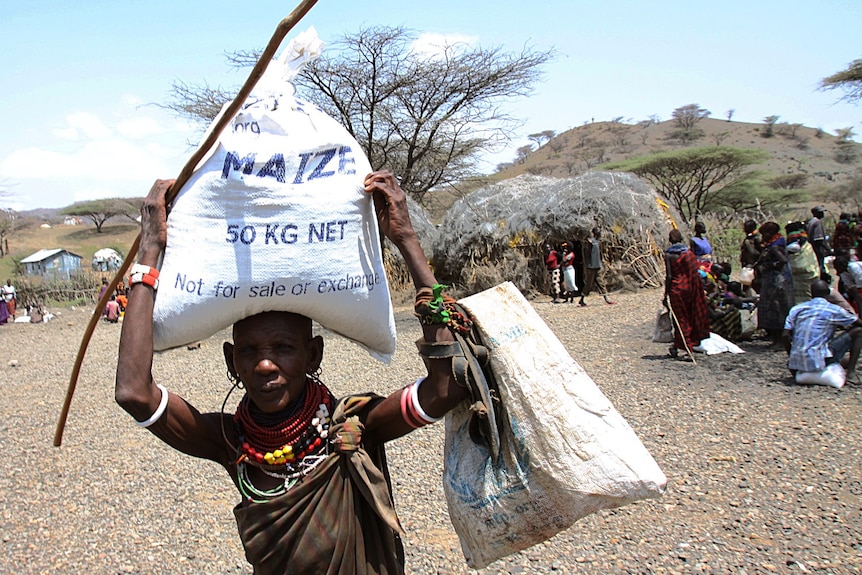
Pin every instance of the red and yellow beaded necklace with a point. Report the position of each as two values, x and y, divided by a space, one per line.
302 433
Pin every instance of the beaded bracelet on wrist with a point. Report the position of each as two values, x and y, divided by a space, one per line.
433 307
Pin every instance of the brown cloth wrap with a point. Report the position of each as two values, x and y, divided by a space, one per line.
339 520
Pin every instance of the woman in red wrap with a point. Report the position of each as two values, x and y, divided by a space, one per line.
684 297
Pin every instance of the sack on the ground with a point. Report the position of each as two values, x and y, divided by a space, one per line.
276 219
832 375
748 318
746 275
565 452
663 332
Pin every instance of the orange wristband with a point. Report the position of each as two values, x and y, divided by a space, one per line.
145 275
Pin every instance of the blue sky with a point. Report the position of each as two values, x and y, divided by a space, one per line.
81 78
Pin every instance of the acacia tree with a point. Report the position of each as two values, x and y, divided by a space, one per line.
693 178
426 117
849 80
542 137
100 211
685 118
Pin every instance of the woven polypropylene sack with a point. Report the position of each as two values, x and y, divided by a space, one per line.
565 451
276 219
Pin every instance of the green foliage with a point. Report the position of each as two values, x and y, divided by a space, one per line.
752 192
692 179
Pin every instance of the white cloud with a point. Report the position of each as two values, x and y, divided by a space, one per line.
432 44
82 125
99 161
139 127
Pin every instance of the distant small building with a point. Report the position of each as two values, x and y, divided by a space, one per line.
55 263
107 260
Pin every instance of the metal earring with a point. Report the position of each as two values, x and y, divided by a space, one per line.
234 379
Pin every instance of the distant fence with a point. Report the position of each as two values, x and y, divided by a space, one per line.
82 288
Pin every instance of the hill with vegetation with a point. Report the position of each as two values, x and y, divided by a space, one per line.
822 164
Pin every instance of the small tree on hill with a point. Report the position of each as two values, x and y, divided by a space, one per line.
692 178
685 119
99 211
522 153
543 137
849 80
769 126
846 150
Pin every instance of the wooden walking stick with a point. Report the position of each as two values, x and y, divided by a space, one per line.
679 328
283 28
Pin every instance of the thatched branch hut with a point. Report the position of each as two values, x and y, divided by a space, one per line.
496 233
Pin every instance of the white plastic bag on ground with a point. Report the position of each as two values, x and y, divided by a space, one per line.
276 219
832 375
565 450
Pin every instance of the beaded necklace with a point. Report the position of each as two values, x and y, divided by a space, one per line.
287 445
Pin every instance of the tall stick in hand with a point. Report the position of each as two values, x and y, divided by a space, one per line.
283 28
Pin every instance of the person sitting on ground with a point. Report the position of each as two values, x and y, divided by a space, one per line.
37 313
593 267
728 309
311 470
112 310
122 297
811 338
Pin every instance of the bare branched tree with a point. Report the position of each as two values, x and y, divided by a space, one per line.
425 116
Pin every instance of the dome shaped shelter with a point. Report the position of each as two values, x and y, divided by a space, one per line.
496 233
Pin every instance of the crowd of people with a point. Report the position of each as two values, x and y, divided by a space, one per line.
799 287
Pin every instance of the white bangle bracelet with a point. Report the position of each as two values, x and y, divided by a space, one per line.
414 395
160 410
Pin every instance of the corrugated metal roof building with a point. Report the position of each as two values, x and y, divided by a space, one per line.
56 263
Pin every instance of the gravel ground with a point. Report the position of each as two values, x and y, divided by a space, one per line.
764 476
